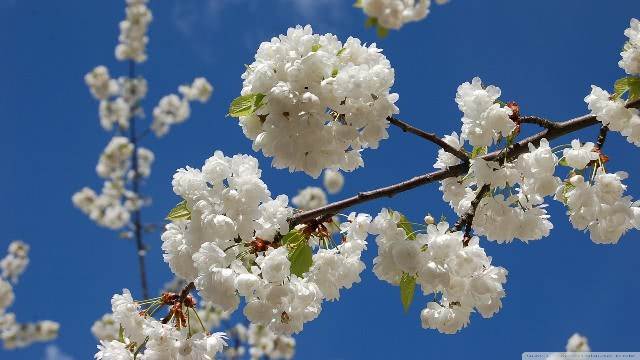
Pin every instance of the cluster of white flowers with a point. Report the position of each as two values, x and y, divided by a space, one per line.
105 328
630 61
262 343
309 198
161 341
133 32
226 247
576 344
119 98
333 181
12 333
324 100
16 261
173 109
442 262
614 114
484 120
113 206
393 14
514 206
600 206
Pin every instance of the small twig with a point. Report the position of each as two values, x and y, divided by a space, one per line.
467 219
429 137
548 124
602 137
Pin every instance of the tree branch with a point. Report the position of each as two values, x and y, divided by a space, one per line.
553 132
429 137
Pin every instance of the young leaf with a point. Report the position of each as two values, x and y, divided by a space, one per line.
341 51
179 212
301 258
407 288
478 151
246 105
405 225
382 32
563 162
291 237
628 84
315 47
358 4
371 21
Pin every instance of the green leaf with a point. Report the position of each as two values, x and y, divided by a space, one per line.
478 151
246 105
340 51
315 47
371 21
301 258
358 4
628 84
407 289
121 334
179 212
405 225
382 32
563 162
292 237
334 73
500 102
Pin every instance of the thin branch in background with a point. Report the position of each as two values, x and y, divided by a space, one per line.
135 184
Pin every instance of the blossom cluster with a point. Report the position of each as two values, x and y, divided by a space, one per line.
133 32
173 109
262 343
442 262
613 113
393 14
630 61
119 98
160 340
514 205
324 101
113 206
229 247
12 333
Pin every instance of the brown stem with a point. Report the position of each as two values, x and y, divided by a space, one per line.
548 124
602 137
550 133
467 219
429 137
183 295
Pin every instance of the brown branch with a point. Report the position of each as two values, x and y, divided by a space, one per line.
602 137
548 124
553 132
467 219
460 154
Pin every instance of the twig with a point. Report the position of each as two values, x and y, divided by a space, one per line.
467 219
548 124
602 137
429 137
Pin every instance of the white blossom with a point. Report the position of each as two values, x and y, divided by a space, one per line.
310 198
133 32
105 328
441 262
630 61
333 181
393 14
302 75
578 343
578 156
614 114
16 261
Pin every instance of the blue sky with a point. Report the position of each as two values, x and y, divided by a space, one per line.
543 54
